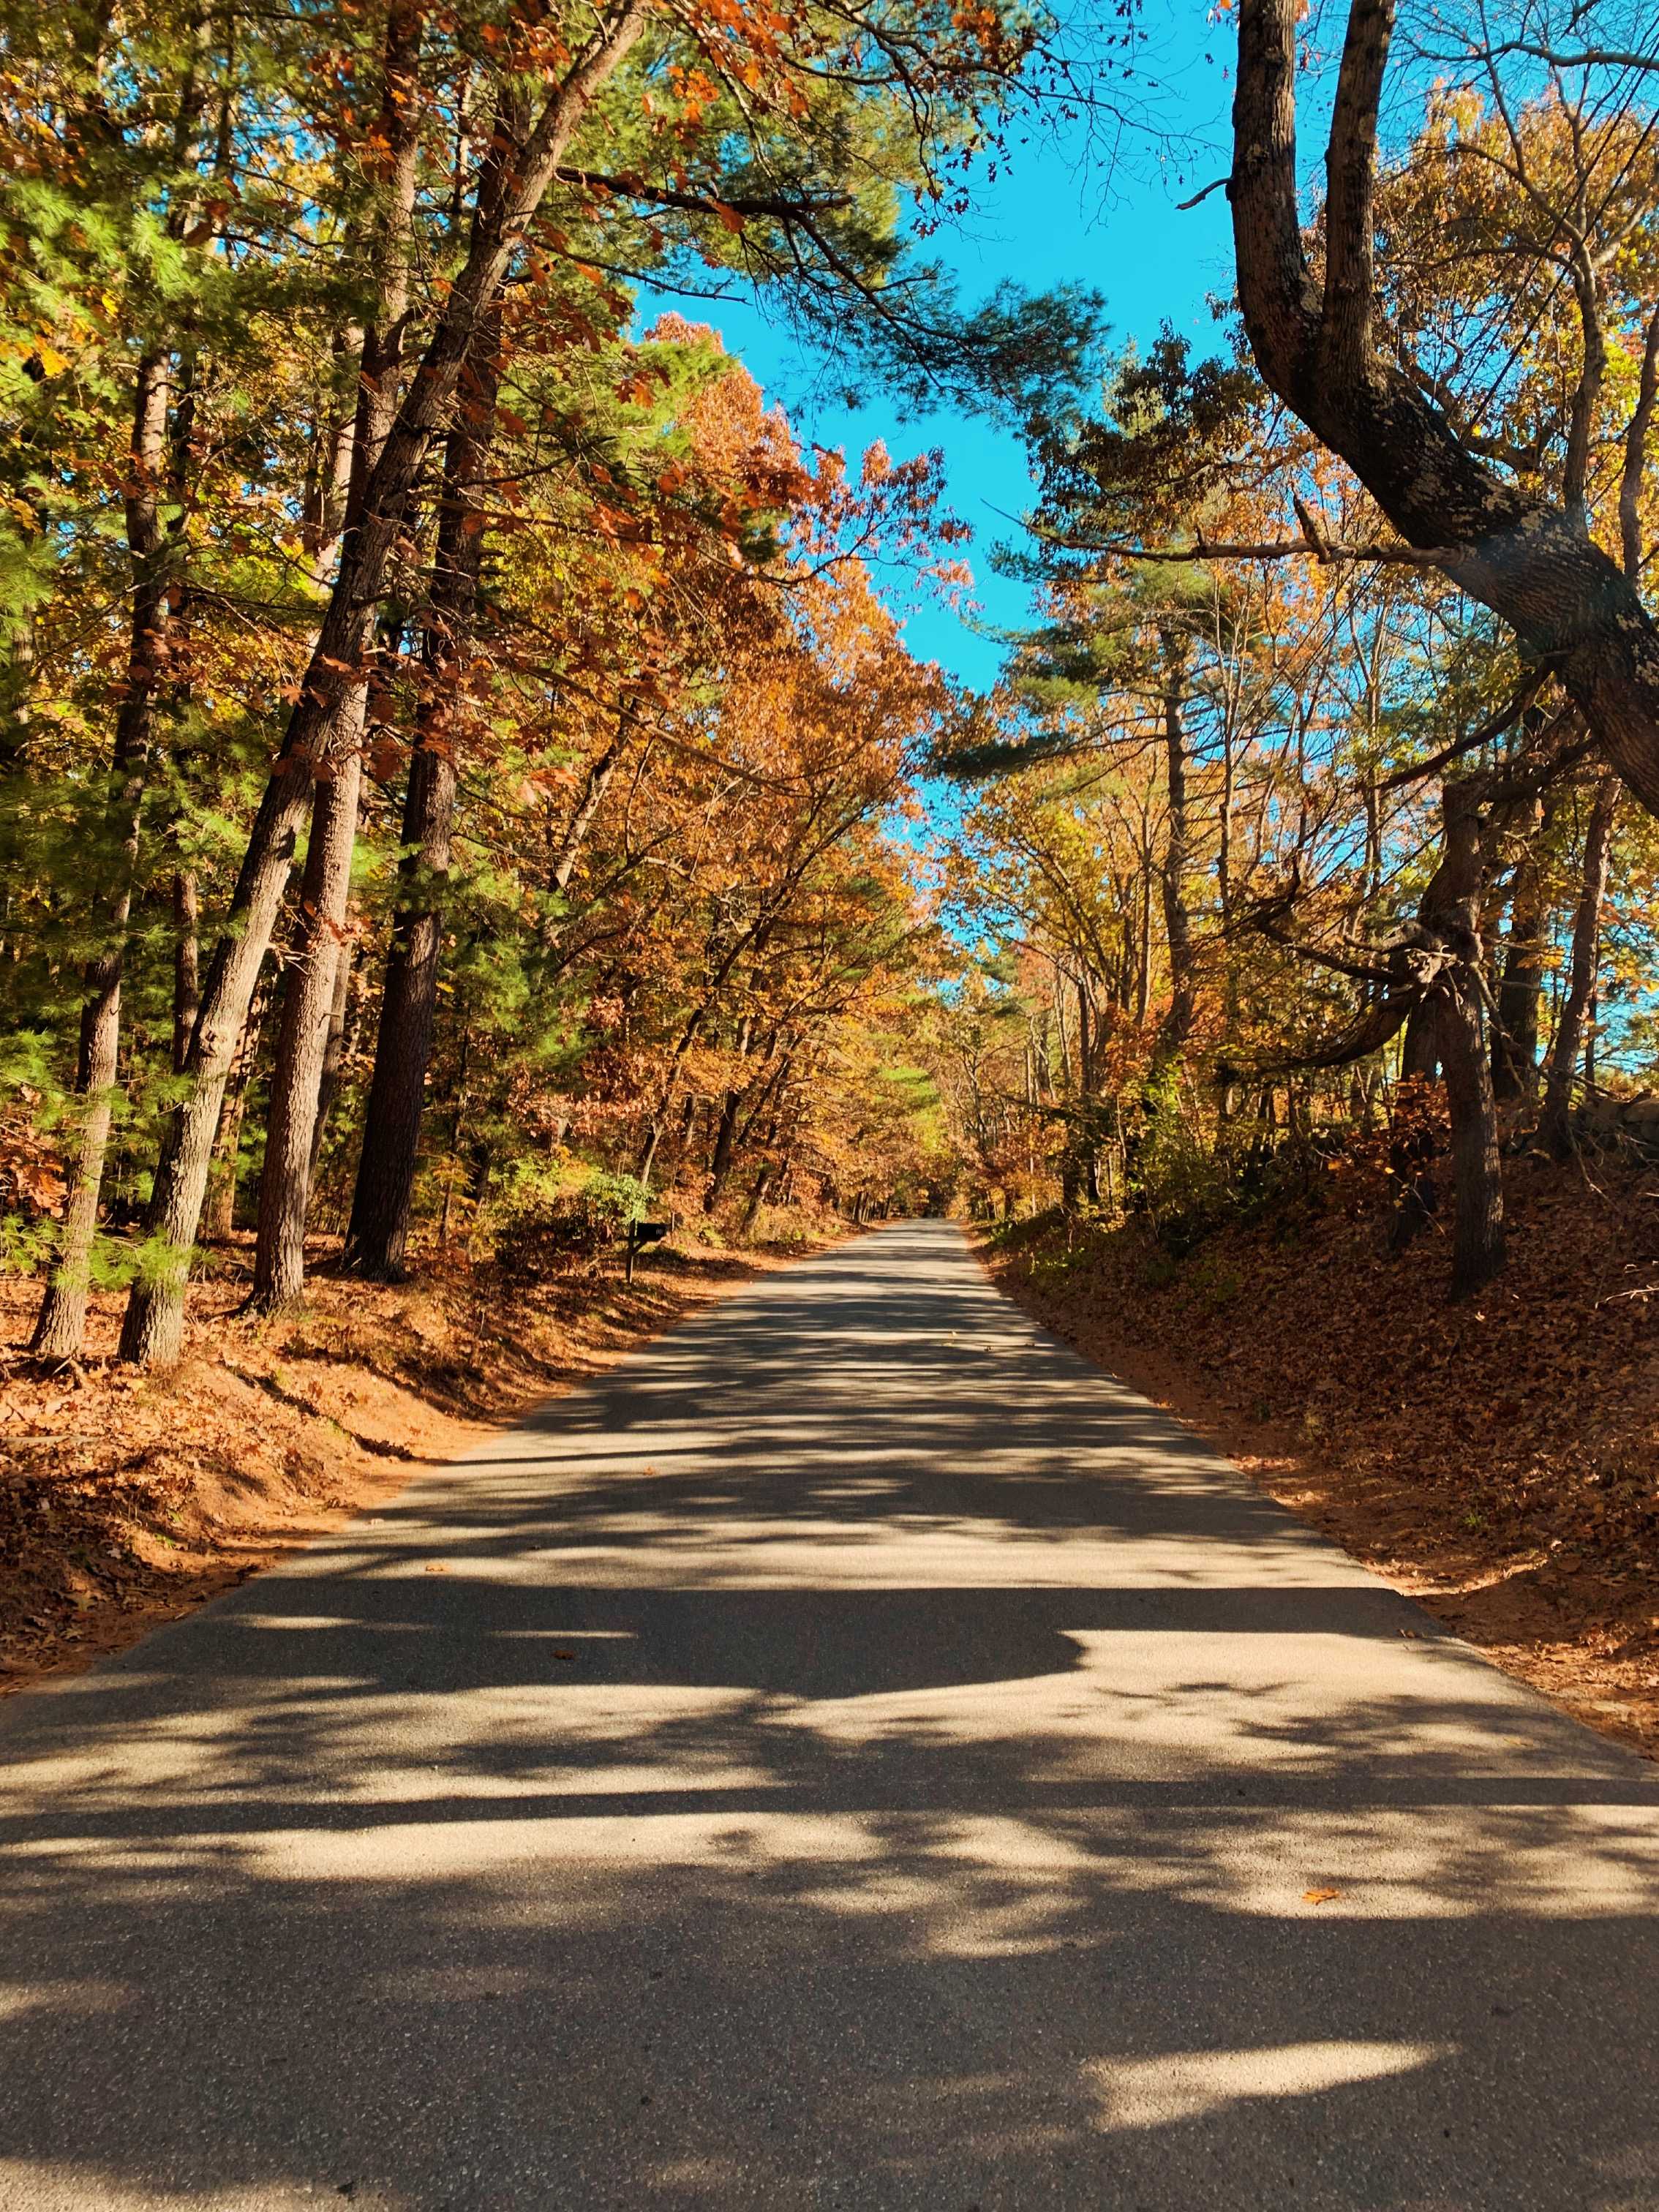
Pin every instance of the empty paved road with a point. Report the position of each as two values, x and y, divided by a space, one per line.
853 1756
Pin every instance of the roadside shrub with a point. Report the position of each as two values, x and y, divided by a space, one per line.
1180 1181
548 1232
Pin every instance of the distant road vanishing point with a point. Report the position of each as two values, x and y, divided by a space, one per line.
853 1755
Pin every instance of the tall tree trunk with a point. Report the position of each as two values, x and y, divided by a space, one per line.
1568 1038
225 1167
319 932
302 1042
1313 337
333 1049
1176 1026
720 1164
771 1090
60 1328
1420 1051
379 1230
186 974
595 784
378 1235
1515 1030
327 720
1450 921
1477 1182
647 1159
1087 1051
1578 1008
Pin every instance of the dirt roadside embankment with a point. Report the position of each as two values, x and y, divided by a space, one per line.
127 1499
1498 1459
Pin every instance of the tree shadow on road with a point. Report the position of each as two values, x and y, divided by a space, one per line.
869 1762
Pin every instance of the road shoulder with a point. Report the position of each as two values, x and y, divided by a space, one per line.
127 1500
1579 1627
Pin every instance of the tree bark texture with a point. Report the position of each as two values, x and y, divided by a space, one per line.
379 1232
1450 924
319 933
1176 1026
186 971
302 1042
1420 1052
60 1327
225 1166
1478 1248
377 1236
334 1049
1569 1039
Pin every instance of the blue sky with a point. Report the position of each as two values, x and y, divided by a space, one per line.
1052 215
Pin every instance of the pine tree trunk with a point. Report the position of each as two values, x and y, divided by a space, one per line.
1176 1026
60 1327
302 1042
187 973
377 1236
334 1049
226 1165
220 1224
327 720
378 1232
292 1139
1478 1221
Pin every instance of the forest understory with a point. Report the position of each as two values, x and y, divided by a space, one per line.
127 1499
1493 1459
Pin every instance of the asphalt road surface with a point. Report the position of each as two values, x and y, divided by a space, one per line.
853 1756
